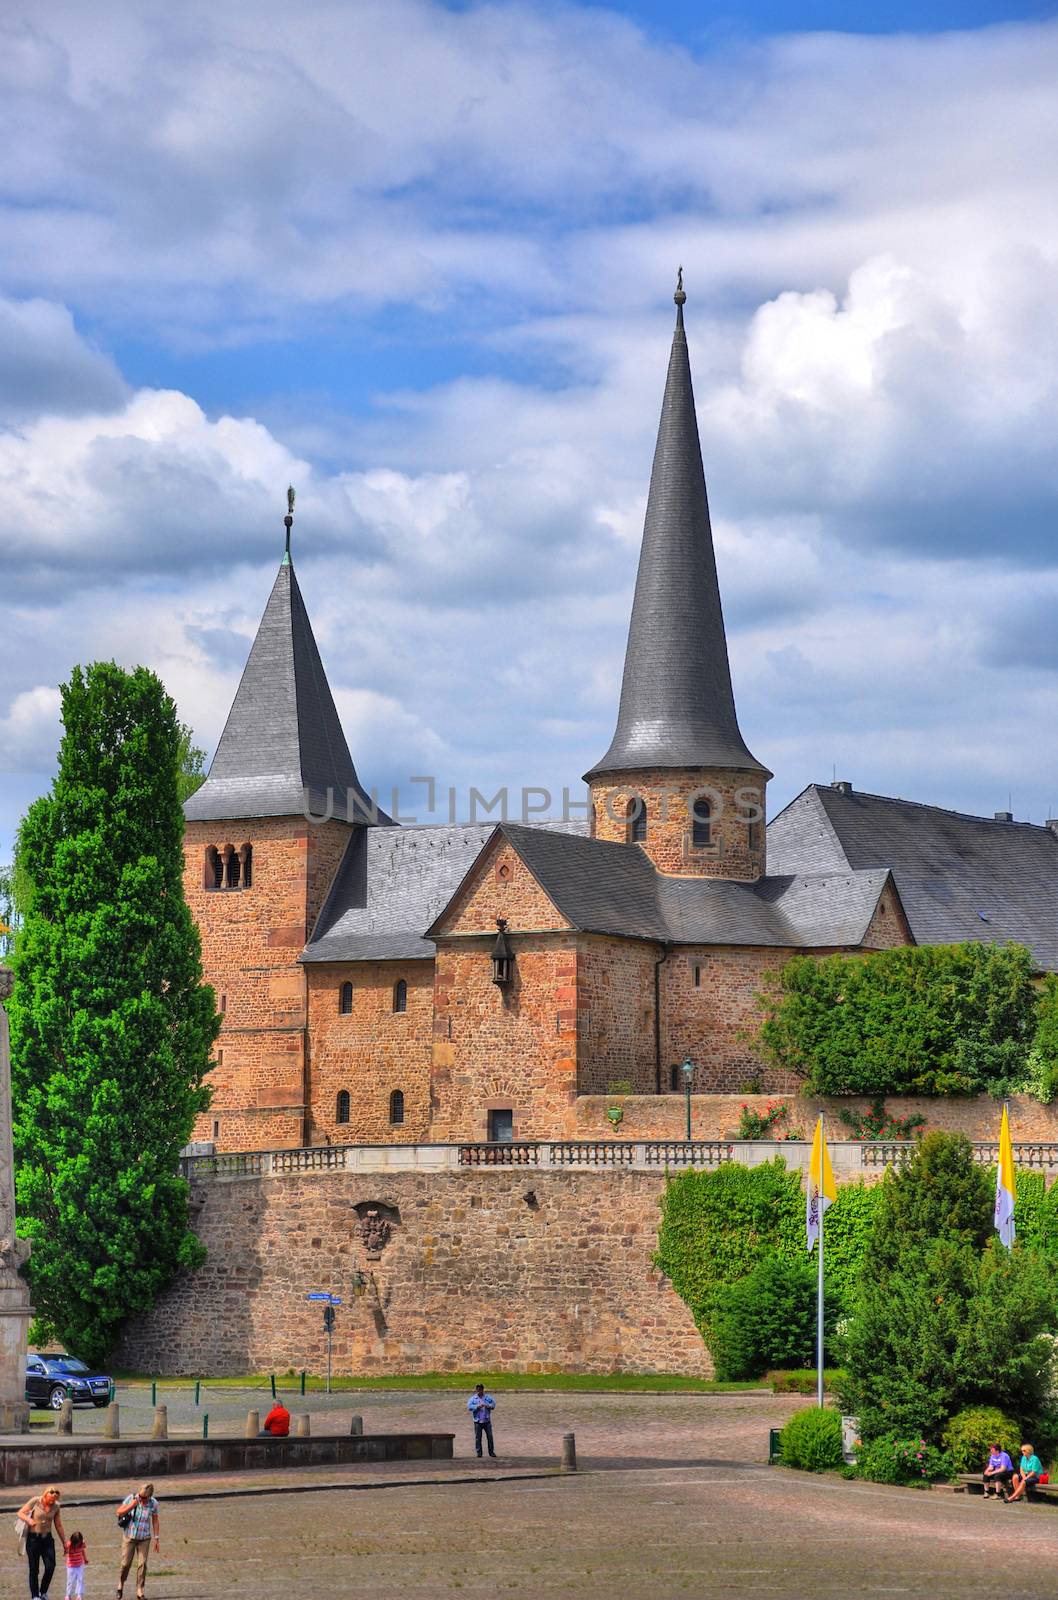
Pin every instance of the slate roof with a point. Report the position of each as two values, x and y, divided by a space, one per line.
282 739
677 705
390 887
600 887
959 877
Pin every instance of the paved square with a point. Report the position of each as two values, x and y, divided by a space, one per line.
676 1501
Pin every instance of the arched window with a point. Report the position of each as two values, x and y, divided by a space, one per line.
700 824
637 819
214 868
345 999
341 1109
400 995
228 867
246 857
396 1107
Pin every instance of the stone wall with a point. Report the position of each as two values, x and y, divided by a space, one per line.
497 1270
737 848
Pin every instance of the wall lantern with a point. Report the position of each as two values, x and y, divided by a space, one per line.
502 956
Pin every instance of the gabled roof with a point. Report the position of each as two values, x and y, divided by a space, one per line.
959 877
391 886
677 705
282 742
601 887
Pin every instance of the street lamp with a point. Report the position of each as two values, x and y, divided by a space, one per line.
688 1078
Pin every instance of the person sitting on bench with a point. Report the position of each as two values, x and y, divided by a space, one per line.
998 1472
1027 1476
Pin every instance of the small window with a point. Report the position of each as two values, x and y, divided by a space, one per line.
345 999
231 876
223 1005
396 1107
246 854
700 824
341 1109
220 1058
216 1129
214 869
501 1127
754 837
400 995
697 977
637 819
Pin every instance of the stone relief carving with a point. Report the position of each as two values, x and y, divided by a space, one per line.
375 1231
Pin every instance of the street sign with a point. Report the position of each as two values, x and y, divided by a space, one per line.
331 1299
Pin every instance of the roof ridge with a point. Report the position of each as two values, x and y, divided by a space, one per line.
923 805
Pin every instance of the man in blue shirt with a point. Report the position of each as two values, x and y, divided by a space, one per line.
481 1406
1027 1476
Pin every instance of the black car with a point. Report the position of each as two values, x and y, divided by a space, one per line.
49 1379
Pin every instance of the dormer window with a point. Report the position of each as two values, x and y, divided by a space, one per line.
228 866
502 956
701 837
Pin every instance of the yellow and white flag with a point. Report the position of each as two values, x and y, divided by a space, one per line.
1006 1184
821 1189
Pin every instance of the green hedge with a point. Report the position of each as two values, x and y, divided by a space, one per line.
920 1019
716 1227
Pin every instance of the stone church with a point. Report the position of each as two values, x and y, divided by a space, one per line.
391 984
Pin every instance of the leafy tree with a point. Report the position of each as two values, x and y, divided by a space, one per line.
768 1319
920 1019
112 1027
945 1318
190 764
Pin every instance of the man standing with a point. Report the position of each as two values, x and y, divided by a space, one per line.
481 1406
143 1522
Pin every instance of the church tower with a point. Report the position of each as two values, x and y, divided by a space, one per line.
678 779
263 839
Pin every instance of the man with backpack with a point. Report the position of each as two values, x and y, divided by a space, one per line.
138 1521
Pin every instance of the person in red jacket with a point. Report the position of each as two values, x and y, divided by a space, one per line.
277 1422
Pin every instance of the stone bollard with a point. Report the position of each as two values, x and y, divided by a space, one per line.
253 1424
65 1422
161 1423
112 1426
356 1425
303 1429
569 1452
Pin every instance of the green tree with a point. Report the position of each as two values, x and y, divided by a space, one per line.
190 763
945 1317
112 1027
929 1019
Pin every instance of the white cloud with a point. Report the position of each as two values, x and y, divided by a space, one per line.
29 730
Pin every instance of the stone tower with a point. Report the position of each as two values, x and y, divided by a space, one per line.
263 840
678 778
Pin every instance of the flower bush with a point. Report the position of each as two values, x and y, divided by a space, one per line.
811 1440
754 1124
913 1461
877 1123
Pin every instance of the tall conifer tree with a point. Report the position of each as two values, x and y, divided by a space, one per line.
112 1027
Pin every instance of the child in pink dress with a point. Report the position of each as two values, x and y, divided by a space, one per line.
76 1561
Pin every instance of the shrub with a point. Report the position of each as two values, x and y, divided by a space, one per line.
877 1123
753 1124
891 1460
971 1433
767 1319
811 1440
802 1380
919 1019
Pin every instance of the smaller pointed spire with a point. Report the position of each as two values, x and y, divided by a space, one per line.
288 520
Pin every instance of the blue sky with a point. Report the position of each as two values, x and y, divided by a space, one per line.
419 259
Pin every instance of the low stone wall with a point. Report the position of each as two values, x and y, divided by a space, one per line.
132 1460
488 1269
715 1116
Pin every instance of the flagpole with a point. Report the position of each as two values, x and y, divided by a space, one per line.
819 1294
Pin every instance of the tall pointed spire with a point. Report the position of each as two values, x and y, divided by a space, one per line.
282 752
677 705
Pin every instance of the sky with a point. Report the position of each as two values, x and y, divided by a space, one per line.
417 259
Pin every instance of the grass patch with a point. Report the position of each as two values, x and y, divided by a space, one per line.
803 1380
508 1382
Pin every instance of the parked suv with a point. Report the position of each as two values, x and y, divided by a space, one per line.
49 1379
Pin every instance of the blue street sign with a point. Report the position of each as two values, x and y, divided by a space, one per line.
331 1299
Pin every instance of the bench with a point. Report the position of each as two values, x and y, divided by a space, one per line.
972 1484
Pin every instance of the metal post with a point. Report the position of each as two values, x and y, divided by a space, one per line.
303 1381
205 1424
819 1314
330 1337
273 1377
688 1079
154 1393
198 1391
688 1110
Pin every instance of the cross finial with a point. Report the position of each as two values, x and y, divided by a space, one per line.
288 520
679 297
